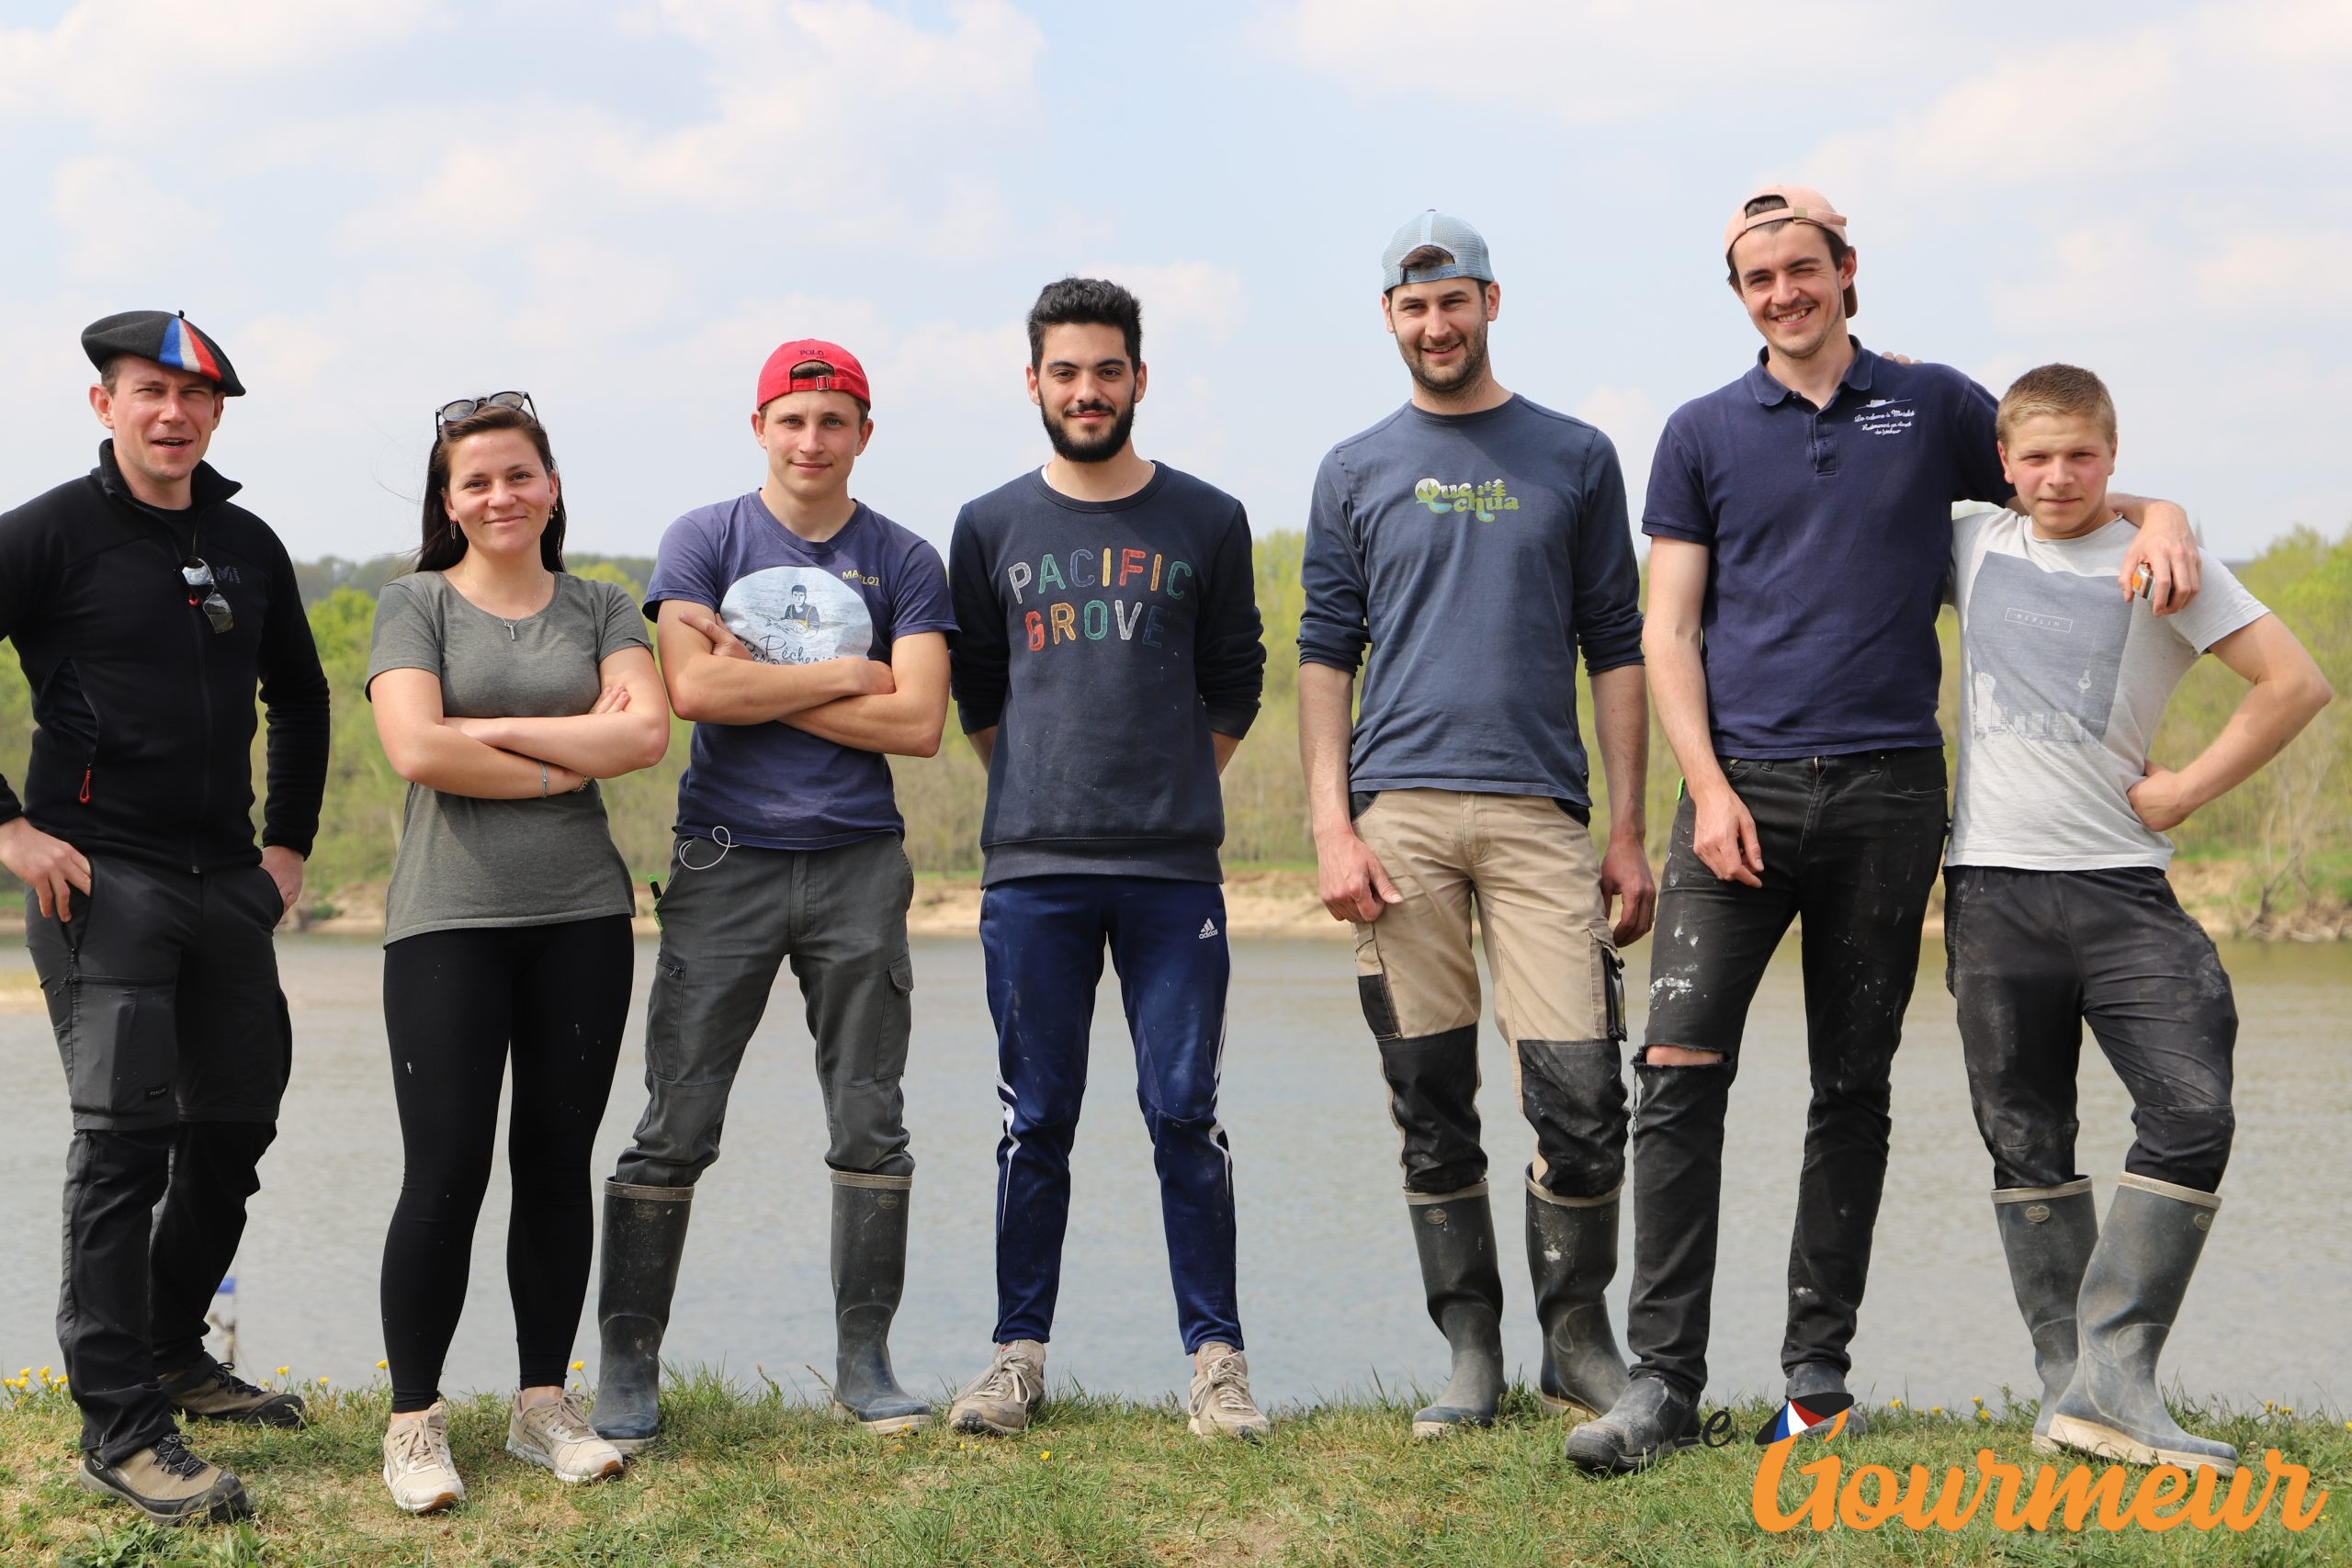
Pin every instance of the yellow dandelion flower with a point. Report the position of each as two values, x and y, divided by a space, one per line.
282 1372
379 1365
1935 1410
1895 1405
322 1382
2286 1410
578 1366
1045 1453
1984 1415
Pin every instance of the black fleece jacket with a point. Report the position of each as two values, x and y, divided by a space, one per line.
143 713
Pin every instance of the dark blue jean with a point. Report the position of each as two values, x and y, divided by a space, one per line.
1043 937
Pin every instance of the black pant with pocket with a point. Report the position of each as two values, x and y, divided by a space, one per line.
162 990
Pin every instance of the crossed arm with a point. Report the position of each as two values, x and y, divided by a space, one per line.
898 707
520 758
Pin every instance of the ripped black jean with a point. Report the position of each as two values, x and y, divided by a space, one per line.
1851 843
2035 954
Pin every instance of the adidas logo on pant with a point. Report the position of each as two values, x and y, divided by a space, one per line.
1208 930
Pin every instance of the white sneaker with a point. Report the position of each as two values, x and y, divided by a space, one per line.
1219 1401
557 1435
1002 1399
417 1466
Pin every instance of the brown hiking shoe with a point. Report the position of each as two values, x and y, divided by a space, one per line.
1221 1402
1002 1399
210 1390
169 1485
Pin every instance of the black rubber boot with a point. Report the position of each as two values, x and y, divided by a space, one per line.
1455 1233
869 1272
1815 1378
2132 1291
645 1235
1650 1420
2047 1233
1572 1255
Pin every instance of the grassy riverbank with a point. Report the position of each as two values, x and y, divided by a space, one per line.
743 1480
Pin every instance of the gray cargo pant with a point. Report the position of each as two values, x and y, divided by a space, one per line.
728 922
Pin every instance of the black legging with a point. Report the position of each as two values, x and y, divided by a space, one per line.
453 1001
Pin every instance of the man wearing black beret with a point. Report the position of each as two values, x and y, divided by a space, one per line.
146 609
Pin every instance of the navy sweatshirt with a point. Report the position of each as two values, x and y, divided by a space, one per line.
143 713
1476 554
1104 641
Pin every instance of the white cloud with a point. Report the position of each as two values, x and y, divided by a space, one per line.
89 197
1593 61
140 62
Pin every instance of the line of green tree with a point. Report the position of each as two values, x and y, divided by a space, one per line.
2290 826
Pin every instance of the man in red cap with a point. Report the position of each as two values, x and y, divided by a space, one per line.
1802 526
805 633
146 608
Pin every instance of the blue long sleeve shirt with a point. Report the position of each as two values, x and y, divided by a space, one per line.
1475 556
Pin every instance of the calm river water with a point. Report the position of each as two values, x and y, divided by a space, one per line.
1330 1297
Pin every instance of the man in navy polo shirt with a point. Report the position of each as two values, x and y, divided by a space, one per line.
1802 520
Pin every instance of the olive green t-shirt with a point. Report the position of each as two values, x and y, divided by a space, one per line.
465 862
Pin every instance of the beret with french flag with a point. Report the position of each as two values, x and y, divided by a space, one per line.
167 339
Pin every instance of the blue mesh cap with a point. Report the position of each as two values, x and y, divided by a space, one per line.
1435 227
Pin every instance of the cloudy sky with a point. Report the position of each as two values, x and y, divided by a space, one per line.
622 205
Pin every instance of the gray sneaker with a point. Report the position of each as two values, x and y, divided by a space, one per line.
557 1435
1221 1402
1004 1398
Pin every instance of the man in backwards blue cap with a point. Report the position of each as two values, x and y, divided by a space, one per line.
146 609
1473 543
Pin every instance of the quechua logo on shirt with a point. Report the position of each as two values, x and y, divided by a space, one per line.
1135 587
1485 500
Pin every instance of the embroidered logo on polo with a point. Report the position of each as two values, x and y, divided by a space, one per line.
1885 416
798 615
1484 499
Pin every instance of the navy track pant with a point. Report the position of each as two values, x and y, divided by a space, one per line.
1043 937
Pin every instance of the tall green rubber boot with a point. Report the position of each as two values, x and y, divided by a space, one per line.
869 1274
1572 1255
2047 1233
2132 1293
1455 1233
645 1235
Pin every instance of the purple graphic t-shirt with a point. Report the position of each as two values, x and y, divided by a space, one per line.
794 602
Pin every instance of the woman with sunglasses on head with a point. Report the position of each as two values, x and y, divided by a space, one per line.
503 687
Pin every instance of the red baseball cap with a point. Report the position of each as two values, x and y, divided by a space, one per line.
812 365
